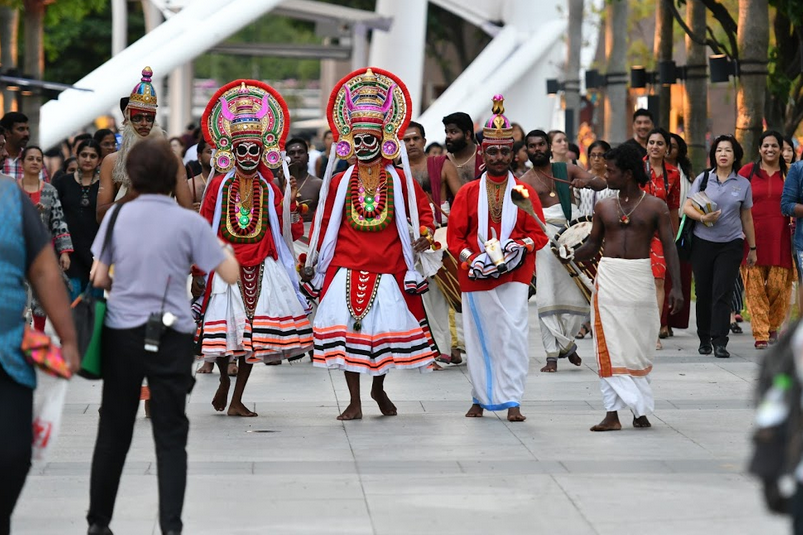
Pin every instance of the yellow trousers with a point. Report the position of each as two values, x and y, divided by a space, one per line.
767 295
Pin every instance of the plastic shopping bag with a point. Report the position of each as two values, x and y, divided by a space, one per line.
48 405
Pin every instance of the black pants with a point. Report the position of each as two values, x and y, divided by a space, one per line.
16 421
716 267
125 363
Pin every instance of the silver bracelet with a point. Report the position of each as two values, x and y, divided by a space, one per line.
294 217
465 254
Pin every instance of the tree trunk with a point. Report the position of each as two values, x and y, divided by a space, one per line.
9 24
695 102
616 116
572 74
34 66
663 52
753 41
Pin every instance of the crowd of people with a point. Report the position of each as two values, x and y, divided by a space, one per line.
337 254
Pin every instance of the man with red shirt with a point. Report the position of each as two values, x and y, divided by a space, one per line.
361 262
496 274
263 317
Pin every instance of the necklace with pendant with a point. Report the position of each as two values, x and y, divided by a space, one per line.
625 218
551 183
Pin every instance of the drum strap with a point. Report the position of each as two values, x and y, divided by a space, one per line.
560 170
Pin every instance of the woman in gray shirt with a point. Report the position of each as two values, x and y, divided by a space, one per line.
719 242
148 329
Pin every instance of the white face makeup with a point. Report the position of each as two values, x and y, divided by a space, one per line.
366 147
247 155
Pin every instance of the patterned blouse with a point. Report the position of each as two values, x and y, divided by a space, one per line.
52 216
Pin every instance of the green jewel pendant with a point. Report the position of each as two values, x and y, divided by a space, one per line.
243 221
243 211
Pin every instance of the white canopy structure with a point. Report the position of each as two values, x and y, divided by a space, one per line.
526 49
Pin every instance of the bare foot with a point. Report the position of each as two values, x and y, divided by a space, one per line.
206 367
641 421
474 412
232 371
659 345
386 407
352 412
436 367
238 409
456 357
222 395
551 366
514 415
575 359
609 423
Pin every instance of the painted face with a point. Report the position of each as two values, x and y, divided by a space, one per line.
247 155
366 147
88 159
142 121
497 159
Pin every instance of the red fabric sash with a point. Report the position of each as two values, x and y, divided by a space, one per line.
361 287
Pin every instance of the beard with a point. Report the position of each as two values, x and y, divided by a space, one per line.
456 146
130 138
539 159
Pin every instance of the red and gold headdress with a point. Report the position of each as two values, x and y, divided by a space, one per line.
369 100
143 96
246 109
497 131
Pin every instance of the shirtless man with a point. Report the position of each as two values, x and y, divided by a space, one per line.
461 152
624 312
139 123
562 307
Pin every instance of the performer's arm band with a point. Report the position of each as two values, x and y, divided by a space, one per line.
465 255
529 241
294 217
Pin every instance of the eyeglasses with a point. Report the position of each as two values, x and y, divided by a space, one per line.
596 155
143 118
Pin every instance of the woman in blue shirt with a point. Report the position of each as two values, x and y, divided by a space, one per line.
719 242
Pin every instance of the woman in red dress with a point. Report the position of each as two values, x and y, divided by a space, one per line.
665 184
768 284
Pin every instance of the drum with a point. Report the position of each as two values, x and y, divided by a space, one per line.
573 235
446 277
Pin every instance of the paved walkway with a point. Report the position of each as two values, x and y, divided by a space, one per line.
297 470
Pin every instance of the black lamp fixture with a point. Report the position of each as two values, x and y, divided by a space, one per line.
669 73
553 86
595 80
721 68
641 77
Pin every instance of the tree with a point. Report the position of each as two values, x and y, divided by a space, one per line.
616 93
753 42
784 105
663 52
695 101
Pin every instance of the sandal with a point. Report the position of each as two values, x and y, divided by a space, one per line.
582 334
735 328
663 333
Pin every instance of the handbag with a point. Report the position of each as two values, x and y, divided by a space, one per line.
42 353
88 312
685 237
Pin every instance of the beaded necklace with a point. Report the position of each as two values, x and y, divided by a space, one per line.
244 215
370 209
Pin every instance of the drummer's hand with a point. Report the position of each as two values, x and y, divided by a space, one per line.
580 183
565 253
421 244
675 300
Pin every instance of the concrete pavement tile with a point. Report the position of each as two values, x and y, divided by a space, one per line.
300 468
742 525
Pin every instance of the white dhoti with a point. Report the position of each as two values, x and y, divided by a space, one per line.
278 328
389 336
437 309
495 326
562 309
625 322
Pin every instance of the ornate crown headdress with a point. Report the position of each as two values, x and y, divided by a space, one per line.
497 131
369 100
246 109
143 96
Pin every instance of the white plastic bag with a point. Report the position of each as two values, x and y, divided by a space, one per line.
48 405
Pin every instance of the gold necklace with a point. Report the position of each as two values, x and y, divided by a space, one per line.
246 193
496 198
368 179
470 158
551 182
